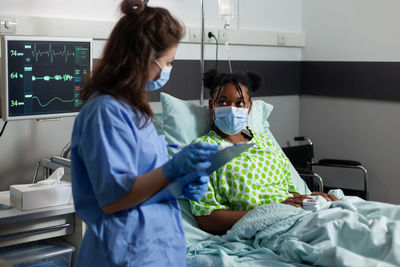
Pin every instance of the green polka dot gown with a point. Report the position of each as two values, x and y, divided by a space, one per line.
258 176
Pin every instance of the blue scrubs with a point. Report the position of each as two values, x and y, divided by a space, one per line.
108 151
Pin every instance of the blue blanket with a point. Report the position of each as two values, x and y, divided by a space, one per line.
351 232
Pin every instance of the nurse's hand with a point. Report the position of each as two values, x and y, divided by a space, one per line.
188 160
193 186
196 189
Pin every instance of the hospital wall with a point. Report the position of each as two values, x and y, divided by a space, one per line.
25 142
350 95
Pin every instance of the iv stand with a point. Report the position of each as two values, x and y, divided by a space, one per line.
202 55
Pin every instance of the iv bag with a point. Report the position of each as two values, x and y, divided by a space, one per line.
226 11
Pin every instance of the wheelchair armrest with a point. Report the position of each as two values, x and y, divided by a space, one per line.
303 138
351 164
338 162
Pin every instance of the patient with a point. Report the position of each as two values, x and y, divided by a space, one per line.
258 176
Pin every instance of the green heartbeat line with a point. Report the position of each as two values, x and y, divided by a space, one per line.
51 53
55 98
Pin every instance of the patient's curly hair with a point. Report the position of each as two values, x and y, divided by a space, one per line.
215 81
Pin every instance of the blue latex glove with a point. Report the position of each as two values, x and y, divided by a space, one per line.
188 159
192 185
196 189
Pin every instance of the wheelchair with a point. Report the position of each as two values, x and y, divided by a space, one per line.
301 156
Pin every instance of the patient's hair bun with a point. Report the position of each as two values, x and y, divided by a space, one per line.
132 7
214 80
255 80
209 79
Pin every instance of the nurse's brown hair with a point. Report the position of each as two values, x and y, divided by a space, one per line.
141 35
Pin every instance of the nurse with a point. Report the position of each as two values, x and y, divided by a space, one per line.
120 170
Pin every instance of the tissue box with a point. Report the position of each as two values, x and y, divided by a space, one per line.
28 197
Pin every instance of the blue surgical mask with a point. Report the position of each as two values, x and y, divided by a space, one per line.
164 77
230 120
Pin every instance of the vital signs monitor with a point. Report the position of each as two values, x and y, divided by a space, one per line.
42 76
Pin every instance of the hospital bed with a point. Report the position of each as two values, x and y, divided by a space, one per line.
182 121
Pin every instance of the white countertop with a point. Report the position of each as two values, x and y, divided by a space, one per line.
14 215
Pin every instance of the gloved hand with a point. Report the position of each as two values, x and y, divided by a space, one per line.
189 159
196 189
192 186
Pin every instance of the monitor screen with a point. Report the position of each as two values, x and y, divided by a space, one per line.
42 77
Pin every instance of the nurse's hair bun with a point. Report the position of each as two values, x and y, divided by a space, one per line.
255 81
132 7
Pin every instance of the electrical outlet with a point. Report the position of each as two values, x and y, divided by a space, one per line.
209 39
194 35
8 25
281 39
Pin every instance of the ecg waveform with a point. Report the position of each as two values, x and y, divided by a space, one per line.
52 53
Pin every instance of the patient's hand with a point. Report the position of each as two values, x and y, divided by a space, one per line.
296 200
328 197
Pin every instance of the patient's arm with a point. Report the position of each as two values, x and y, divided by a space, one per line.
219 221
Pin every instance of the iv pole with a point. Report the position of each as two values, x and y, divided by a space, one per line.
202 55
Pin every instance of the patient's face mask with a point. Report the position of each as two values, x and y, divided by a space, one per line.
230 120
164 77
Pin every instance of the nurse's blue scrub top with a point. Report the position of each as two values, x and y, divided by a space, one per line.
108 152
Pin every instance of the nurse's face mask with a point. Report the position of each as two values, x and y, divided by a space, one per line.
160 82
230 110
